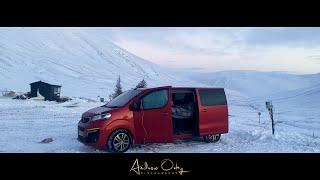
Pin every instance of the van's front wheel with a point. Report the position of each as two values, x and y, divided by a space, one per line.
211 138
119 141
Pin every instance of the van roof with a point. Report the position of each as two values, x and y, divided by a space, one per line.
199 87
180 87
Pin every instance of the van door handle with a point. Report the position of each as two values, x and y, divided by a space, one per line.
165 113
204 110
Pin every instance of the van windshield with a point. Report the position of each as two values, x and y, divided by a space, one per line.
122 99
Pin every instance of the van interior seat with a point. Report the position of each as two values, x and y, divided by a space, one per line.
183 112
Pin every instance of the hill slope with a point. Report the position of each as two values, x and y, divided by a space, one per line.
254 83
85 64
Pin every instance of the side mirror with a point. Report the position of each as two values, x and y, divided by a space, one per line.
135 106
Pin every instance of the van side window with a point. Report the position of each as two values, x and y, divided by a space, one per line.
212 97
155 99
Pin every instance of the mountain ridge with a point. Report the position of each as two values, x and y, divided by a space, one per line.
84 64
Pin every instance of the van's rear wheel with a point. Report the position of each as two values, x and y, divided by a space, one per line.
119 141
211 138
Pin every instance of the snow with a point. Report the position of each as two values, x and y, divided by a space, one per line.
85 64
255 83
25 123
88 65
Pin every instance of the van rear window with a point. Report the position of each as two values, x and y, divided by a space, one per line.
212 97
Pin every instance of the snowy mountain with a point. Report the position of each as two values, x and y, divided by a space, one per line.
304 98
255 83
88 65
85 64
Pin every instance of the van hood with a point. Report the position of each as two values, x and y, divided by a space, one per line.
97 110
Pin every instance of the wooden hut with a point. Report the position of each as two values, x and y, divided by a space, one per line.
50 92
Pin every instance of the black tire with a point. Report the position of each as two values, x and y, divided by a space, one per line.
119 141
212 138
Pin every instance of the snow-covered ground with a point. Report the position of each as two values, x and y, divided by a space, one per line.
25 123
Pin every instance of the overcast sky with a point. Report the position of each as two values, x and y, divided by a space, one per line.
217 49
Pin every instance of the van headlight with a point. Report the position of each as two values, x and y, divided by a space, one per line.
101 117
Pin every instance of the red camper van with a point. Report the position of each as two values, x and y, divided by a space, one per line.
155 115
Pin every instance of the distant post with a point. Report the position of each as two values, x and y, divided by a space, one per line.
269 106
259 113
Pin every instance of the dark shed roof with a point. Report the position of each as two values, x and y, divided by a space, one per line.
45 83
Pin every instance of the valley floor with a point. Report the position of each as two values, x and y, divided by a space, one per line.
25 123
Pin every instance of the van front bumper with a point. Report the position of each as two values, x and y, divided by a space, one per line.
93 134
87 136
